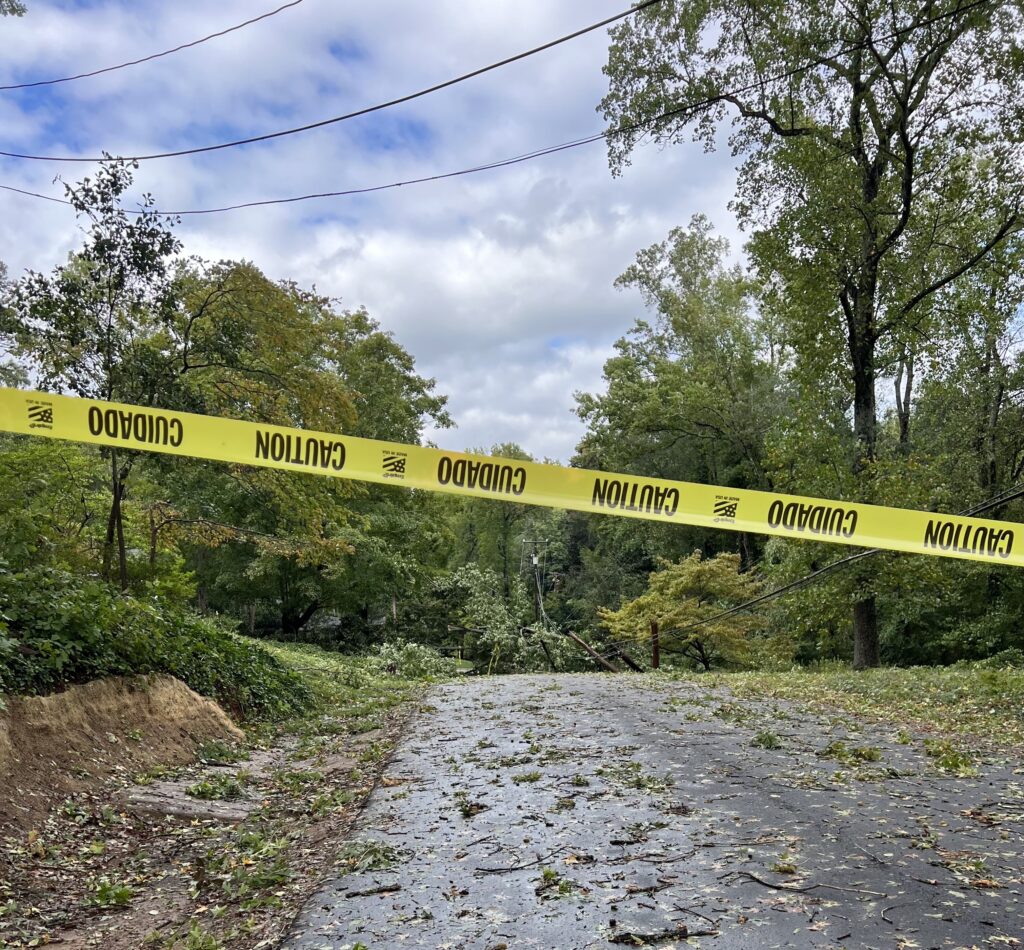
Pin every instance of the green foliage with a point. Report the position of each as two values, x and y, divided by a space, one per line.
218 752
879 203
106 892
972 702
474 598
367 855
692 393
680 595
217 788
851 755
198 939
128 318
58 629
766 739
949 758
413 661
251 867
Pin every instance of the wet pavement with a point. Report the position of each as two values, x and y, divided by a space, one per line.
584 811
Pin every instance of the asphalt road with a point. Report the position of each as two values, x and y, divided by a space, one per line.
599 811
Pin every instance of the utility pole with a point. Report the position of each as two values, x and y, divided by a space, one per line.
533 553
539 615
655 645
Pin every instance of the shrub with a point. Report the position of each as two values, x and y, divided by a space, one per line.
413 660
57 629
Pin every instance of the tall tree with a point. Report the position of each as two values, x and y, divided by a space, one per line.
692 391
97 326
880 163
685 600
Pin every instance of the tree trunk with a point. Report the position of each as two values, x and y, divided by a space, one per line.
904 390
747 556
865 634
122 556
862 348
995 391
202 593
108 541
115 527
865 428
292 622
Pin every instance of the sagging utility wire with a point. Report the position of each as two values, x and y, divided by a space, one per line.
515 160
108 155
1001 498
146 59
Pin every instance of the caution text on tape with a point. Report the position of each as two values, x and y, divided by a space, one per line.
300 450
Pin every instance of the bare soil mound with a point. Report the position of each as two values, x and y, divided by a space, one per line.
75 741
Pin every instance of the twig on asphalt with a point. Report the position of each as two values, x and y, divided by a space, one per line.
519 867
799 890
696 913
373 891
635 939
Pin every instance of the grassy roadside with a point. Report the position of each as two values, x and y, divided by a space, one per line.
970 703
99 873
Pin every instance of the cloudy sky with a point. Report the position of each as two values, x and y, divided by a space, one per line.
499 283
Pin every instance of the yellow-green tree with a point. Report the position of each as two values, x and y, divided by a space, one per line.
684 598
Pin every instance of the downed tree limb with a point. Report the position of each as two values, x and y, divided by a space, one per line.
633 938
800 890
373 891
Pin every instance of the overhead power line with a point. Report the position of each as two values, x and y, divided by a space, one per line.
1001 498
146 59
537 153
501 163
334 120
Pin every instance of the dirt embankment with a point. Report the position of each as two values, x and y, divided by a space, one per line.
78 740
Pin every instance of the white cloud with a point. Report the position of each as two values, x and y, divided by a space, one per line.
499 283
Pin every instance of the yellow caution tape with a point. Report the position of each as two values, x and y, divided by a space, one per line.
412 466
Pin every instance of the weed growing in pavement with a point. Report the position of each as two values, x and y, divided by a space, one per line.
948 758
218 752
526 777
784 865
766 739
851 755
631 775
468 807
219 788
